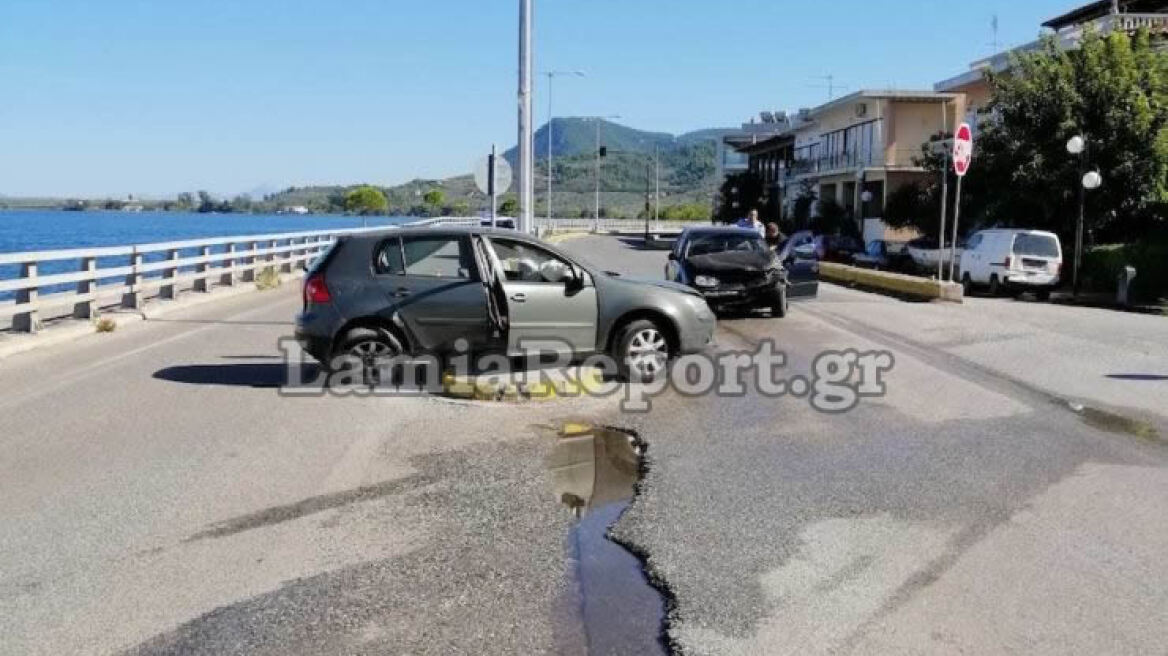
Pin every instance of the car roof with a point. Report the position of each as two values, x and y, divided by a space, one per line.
720 230
421 231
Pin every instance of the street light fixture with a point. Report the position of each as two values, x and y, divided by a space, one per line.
1088 181
551 75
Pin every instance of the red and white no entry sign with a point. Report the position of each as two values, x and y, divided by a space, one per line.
962 149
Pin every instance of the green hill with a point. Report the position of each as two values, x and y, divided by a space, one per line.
628 173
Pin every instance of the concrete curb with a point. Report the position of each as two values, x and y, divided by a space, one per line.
560 237
562 383
68 330
897 284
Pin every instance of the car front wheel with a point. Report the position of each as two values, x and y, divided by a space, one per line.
642 351
781 304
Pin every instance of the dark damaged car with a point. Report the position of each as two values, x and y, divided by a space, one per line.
733 268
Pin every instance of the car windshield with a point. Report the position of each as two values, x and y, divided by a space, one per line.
711 244
1034 244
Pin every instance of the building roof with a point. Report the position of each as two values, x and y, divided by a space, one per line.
906 95
1101 8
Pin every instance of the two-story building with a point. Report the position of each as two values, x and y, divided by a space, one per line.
853 150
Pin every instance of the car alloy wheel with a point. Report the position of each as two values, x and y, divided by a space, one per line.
648 353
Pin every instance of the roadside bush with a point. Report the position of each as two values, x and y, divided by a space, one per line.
267 278
105 325
1101 267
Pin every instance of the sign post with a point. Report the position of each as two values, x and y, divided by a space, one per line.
492 175
962 158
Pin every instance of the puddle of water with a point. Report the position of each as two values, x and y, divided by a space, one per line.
1114 423
594 473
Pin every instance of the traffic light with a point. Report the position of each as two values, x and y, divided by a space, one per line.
604 151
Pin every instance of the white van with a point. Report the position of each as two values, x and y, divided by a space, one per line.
1012 260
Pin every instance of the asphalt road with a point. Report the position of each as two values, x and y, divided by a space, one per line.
159 496
966 511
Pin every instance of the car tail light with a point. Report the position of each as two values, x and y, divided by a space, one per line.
1009 261
315 291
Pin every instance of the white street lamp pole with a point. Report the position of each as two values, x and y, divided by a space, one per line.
1089 180
526 175
551 75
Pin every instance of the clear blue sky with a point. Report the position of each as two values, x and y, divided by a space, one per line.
157 97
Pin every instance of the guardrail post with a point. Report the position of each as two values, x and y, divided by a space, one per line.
288 257
200 284
28 321
228 277
132 298
249 271
169 288
84 309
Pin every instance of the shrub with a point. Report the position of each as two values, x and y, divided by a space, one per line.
105 325
267 278
1101 267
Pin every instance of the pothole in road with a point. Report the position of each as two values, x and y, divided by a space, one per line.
594 474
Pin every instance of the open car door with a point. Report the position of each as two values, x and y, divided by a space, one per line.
492 278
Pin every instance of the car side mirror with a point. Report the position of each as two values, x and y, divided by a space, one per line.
672 256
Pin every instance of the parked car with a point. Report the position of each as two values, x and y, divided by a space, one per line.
926 254
731 267
501 222
1012 260
838 248
883 255
416 291
800 258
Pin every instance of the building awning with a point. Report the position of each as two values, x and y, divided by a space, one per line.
767 145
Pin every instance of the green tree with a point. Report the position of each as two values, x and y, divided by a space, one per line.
206 203
185 201
366 200
509 206
1113 90
434 200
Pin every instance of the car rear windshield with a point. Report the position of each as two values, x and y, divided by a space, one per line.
709 244
1040 245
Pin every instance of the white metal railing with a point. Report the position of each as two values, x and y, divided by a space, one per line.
79 282
615 225
88 279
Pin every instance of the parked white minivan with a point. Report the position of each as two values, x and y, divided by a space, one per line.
1012 260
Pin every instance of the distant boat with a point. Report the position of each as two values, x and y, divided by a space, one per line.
295 209
132 208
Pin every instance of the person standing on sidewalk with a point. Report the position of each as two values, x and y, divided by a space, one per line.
751 222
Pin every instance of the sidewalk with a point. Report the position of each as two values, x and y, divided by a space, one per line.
1112 360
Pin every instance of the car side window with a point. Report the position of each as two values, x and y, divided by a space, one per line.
438 257
974 241
524 262
388 259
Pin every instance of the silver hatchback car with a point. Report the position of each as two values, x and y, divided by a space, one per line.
419 291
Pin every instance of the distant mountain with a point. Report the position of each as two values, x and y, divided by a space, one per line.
577 136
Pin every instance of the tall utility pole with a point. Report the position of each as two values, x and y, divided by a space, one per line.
599 121
526 145
551 75
657 181
944 191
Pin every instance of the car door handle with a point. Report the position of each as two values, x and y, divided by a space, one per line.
401 292
519 297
